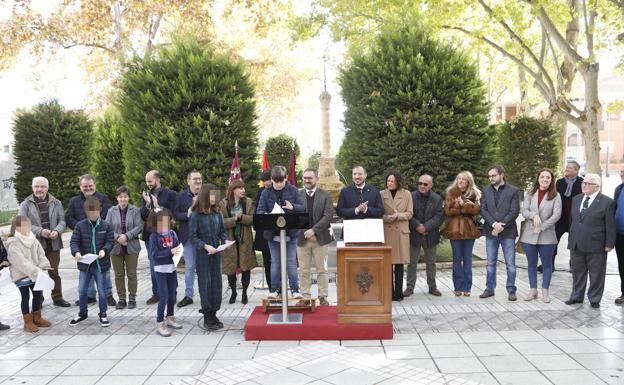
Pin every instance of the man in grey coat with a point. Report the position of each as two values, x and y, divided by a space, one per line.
500 206
591 237
48 223
424 232
313 244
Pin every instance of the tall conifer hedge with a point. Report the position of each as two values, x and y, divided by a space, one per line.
414 105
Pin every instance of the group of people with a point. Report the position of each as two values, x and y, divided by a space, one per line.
106 236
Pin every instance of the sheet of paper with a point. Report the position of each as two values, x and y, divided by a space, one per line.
277 209
178 255
88 258
224 246
43 282
5 278
363 231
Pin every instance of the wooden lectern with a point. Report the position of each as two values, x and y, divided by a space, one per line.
364 274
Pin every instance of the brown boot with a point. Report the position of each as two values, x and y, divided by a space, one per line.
39 320
29 326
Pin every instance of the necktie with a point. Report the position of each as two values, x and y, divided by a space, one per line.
585 206
309 193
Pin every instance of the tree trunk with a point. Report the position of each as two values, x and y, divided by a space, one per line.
562 125
590 123
525 108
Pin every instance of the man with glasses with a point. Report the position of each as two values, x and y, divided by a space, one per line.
568 187
182 213
592 236
619 237
424 232
359 200
500 206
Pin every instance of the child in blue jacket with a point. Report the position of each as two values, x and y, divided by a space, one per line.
161 246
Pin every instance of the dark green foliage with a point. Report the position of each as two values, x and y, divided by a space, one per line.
525 145
414 105
51 142
313 160
107 160
278 150
182 108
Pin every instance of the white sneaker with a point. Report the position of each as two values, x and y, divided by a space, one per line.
171 322
296 295
162 330
274 295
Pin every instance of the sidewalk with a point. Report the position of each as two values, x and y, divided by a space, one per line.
490 341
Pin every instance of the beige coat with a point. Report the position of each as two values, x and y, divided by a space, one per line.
397 232
27 261
246 258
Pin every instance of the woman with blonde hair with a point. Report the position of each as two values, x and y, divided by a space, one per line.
238 212
461 207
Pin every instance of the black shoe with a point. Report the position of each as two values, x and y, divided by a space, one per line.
61 303
487 294
540 269
110 301
153 299
104 320
216 320
209 323
572 302
76 320
397 298
185 301
131 304
233 297
596 305
244 298
4 327
121 304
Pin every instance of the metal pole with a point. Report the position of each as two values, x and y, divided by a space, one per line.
283 260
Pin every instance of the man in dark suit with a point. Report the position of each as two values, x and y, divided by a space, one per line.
157 198
360 200
313 244
500 206
618 197
592 236
568 187
424 232
260 244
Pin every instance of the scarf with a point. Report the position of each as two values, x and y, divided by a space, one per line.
28 240
570 182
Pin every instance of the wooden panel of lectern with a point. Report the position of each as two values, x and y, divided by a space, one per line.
364 274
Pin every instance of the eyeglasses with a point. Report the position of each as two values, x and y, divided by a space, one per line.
492 176
589 183
423 184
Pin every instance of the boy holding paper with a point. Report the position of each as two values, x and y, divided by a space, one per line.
161 247
27 260
91 243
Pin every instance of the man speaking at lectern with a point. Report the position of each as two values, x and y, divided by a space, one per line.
359 200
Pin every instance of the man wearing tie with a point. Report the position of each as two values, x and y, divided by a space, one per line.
313 243
359 200
591 237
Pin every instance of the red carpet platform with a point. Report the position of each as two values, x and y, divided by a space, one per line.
320 325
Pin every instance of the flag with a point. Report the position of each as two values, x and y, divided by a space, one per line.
292 175
265 161
235 169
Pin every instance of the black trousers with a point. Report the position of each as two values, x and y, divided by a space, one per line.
245 277
266 258
397 288
619 250
36 301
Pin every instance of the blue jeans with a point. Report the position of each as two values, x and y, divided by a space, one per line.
85 277
509 252
291 265
189 268
153 275
545 253
462 264
108 286
167 285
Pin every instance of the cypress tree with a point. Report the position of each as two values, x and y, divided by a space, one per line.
414 105
51 142
182 108
107 160
525 145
